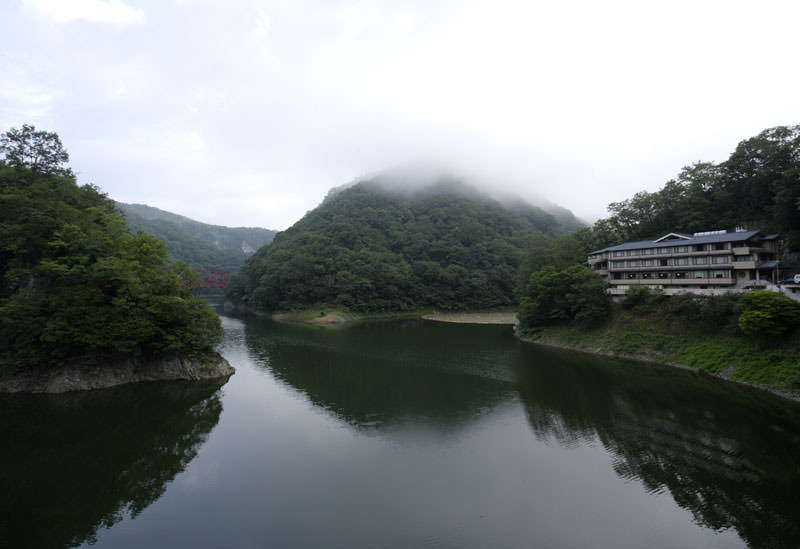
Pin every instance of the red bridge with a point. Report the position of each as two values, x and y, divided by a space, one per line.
212 279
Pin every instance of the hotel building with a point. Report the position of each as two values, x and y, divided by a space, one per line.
700 261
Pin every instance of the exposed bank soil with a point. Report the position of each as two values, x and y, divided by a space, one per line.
331 318
337 319
724 375
78 376
503 318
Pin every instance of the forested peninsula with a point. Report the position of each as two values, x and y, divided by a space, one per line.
84 303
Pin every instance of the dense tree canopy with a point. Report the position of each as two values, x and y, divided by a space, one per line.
758 186
370 248
572 294
76 284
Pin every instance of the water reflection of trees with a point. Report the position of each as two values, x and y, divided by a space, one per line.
728 455
371 378
72 464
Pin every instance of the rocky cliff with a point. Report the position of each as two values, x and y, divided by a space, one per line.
81 376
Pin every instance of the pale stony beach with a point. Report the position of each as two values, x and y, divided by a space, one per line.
507 318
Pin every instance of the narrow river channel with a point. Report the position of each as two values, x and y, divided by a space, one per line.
403 434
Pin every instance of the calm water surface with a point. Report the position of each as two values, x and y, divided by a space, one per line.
405 434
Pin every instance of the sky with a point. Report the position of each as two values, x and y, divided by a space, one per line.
246 112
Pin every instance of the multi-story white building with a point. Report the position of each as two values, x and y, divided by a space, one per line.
710 260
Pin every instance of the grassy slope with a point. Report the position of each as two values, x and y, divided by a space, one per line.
723 352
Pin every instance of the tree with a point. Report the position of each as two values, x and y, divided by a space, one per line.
768 314
39 151
574 294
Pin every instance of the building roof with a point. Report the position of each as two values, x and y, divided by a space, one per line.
738 236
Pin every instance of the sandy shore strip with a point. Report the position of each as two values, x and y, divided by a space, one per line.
506 318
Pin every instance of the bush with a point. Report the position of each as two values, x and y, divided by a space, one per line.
768 314
707 312
642 298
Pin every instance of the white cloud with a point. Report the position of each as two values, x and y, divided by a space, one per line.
96 11
248 111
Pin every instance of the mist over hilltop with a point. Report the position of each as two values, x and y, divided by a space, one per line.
415 178
377 246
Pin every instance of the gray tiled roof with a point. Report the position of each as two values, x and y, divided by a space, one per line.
692 240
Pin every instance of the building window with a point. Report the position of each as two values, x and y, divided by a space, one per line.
663 262
699 274
680 275
681 249
718 259
663 275
631 275
619 254
743 258
633 252
633 263
720 274
617 276
648 263
664 250
700 261
646 275
682 261
699 247
721 246
742 274
617 264
648 251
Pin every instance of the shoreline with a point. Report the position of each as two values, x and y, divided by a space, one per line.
324 316
724 376
82 376
503 318
506 318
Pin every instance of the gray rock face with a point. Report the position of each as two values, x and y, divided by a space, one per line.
78 376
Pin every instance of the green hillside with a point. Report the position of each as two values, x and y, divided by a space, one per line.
199 244
371 247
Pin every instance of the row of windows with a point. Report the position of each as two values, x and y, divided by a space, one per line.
703 260
678 275
674 249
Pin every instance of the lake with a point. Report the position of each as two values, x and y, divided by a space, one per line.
403 434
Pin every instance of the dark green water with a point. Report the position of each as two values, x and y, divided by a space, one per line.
406 434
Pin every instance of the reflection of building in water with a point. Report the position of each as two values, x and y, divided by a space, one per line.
669 431
81 461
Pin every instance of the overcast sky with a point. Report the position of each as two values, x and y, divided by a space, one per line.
245 112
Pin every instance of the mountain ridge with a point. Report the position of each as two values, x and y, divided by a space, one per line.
201 245
370 246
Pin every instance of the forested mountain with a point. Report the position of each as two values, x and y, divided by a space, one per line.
74 282
199 244
372 247
758 186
